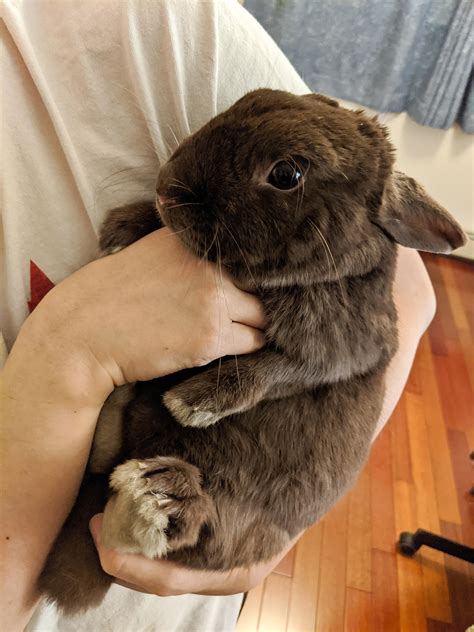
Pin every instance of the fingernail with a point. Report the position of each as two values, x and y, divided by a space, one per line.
95 525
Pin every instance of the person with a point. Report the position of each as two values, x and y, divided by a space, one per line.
97 96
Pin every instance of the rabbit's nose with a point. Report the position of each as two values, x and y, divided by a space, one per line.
162 199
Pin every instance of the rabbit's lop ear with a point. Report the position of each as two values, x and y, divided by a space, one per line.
412 218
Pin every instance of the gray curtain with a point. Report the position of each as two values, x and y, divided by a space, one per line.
390 55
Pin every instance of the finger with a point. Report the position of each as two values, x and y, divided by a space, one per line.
157 577
164 578
246 308
95 525
134 587
241 305
241 339
161 577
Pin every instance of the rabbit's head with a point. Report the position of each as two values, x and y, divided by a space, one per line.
279 183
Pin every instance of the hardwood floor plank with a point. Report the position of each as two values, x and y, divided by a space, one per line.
359 535
461 582
467 345
435 585
399 444
409 573
455 390
437 337
411 595
441 326
463 473
443 315
305 581
439 626
381 483
413 384
357 616
449 405
331 594
463 276
250 615
437 437
275 600
435 582
456 303
405 507
384 613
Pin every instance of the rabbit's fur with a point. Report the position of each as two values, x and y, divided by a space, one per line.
221 467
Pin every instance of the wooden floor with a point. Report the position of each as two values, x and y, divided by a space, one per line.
345 575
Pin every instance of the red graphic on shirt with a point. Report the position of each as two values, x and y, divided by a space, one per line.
39 285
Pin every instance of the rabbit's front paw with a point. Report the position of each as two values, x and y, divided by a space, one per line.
191 408
203 399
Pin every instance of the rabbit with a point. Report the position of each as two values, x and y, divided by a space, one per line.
222 465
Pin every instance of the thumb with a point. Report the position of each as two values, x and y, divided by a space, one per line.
95 526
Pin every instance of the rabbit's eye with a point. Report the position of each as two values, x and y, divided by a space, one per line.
288 174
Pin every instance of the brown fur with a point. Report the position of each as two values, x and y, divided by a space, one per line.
297 418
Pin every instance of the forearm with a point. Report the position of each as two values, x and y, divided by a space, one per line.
49 403
415 302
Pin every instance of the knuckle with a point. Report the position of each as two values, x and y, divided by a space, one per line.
207 343
211 336
206 289
201 361
164 592
213 298
111 562
169 587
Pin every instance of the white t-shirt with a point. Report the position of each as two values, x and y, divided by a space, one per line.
96 95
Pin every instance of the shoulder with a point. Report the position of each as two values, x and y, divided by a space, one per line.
215 52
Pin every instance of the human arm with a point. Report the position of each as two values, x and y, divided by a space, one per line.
415 302
147 311
29 373
166 578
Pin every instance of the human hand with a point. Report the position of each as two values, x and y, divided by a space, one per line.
150 310
165 578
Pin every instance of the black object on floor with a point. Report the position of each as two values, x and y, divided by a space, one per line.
409 543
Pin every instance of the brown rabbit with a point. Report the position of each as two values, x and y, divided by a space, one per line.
222 465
